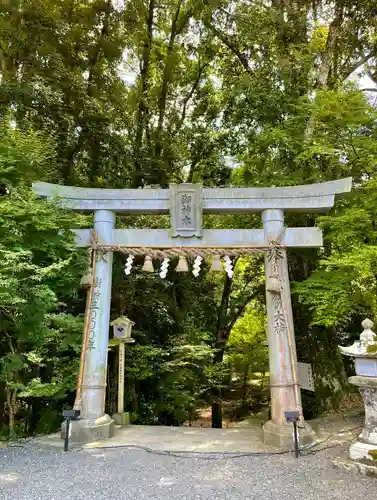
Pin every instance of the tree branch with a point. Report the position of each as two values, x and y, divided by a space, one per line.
221 326
93 63
334 33
142 108
358 64
372 76
237 314
231 46
175 29
189 96
12 350
192 171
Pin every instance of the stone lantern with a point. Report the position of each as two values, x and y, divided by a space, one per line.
122 334
364 352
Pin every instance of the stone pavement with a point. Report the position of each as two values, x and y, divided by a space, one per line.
32 472
243 437
193 439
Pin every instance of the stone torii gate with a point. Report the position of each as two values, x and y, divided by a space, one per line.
186 203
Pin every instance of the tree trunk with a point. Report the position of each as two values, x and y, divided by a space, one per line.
217 410
217 420
141 117
134 401
29 425
69 154
225 323
165 80
328 369
335 30
244 386
217 413
11 403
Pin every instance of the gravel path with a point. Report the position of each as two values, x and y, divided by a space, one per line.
32 473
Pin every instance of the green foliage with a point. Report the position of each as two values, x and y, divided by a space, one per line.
247 358
345 283
247 341
185 382
39 271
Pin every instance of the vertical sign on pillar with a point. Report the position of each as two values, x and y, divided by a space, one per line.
186 210
94 312
121 377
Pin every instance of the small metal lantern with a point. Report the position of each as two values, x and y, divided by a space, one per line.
122 329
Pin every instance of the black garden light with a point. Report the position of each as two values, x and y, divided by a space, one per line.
68 416
292 417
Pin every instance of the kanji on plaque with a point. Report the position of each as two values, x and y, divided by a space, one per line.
186 210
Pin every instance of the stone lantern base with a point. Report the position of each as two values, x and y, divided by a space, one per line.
363 467
360 456
360 451
367 440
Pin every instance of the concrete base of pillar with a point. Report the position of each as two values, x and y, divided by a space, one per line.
281 436
85 431
122 418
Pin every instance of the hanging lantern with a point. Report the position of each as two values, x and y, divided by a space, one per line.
182 266
216 264
87 279
148 264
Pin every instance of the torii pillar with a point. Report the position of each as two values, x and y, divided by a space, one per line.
191 201
284 383
93 389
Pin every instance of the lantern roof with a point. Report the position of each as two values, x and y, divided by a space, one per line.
122 320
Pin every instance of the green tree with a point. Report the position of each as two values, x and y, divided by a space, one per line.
39 271
247 355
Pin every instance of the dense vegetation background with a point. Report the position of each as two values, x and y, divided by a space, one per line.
140 92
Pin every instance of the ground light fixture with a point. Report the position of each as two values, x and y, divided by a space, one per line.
68 416
292 417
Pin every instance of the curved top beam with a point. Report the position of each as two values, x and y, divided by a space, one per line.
307 198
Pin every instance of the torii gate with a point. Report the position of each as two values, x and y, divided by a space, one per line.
186 203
